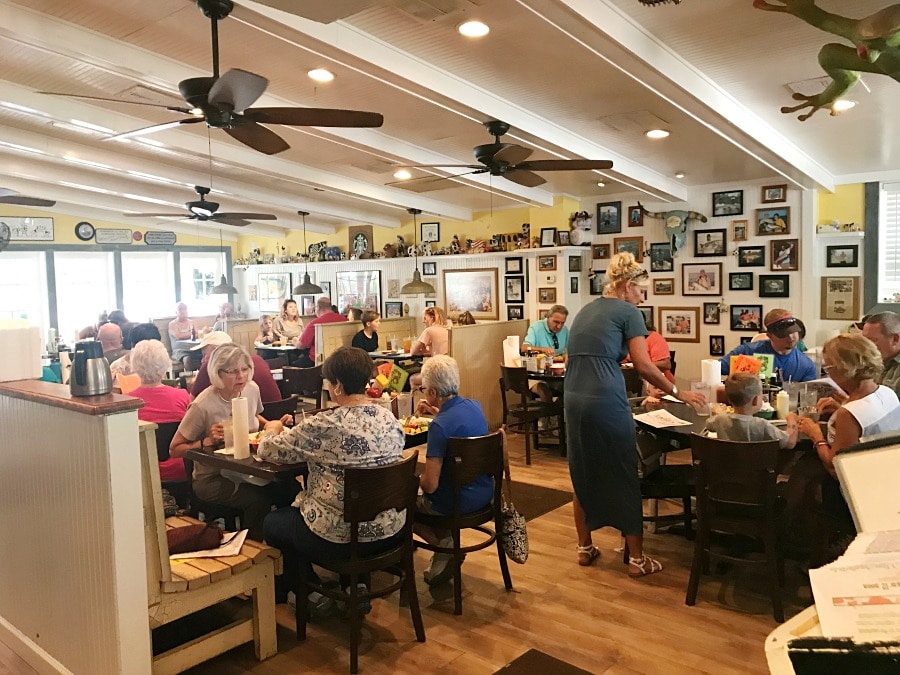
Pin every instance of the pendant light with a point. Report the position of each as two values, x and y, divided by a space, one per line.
416 286
223 287
307 287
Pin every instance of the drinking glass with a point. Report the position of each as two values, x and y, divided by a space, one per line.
808 400
703 388
228 426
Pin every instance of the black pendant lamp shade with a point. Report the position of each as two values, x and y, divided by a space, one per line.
307 287
416 286
223 287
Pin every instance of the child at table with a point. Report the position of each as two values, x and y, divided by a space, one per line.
744 392
266 333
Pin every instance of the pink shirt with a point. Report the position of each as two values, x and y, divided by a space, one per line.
164 404
438 338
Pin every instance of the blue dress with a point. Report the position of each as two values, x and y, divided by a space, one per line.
603 456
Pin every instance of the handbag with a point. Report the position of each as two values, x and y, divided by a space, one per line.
197 537
513 533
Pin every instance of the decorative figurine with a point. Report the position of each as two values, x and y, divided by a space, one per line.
455 246
389 251
401 246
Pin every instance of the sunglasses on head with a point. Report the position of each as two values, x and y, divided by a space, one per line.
783 327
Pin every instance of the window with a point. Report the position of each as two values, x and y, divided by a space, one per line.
23 288
889 242
199 273
148 285
85 287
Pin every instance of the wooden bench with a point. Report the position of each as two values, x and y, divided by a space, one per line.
182 587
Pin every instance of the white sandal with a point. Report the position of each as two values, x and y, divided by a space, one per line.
641 567
587 555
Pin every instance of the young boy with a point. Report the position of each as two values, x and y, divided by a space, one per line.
744 390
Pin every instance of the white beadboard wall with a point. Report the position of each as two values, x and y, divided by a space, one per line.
73 594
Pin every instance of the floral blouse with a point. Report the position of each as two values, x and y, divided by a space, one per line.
332 440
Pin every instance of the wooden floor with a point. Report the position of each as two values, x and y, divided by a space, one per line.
596 618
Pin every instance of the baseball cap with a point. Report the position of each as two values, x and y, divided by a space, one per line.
216 337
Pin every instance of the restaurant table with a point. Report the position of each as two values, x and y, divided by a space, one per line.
188 346
250 466
290 353
393 356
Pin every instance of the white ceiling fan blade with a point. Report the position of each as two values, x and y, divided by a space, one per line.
154 128
238 89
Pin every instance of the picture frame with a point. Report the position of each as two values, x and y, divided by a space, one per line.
393 310
728 203
252 292
600 251
710 243
596 283
543 313
739 230
633 245
273 289
307 305
547 295
562 238
845 255
573 284
745 339
515 289
785 255
717 345
326 288
746 318
472 291
751 256
609 217
664 286
773 221
649 317
770 194
429 269
393 288
514 266
661 258
546 263
701 279
711 313
574 263
679 324
740 281
548 236
774 285
429 232
359 289
431 303
360 243
840 298
635 216
515 312
39 228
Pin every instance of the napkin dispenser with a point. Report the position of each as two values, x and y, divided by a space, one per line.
90 374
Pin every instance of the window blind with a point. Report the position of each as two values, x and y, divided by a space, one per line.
889 242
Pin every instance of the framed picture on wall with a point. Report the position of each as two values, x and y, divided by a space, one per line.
515 312
664 286
728 203
739 229
307 305
633 245
711 313
746 317
574 263
661 258
430 303
514 266
701 279
546 263
751 256
543 313
773 221
429 269
785 254
600 251
515 289
774 286
840 298
679 324
740 281
717 345
842 256
273 290
359 289
635 216
562 238
709 243
393 310
430 232
547 295
326 288
573 284
773 193
596 281
472 291
548 236
647 311
609 217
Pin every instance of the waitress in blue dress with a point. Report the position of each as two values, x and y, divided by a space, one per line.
603 457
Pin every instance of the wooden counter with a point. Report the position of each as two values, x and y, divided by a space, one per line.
59 396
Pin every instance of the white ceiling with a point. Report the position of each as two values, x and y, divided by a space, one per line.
574 78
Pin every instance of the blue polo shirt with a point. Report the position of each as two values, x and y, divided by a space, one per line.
540 335
795 365
458 417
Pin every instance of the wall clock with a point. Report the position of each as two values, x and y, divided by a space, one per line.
84 231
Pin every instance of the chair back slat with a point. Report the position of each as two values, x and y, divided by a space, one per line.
165 432
275 410
370 490
306 382
276 363
474 456
735 472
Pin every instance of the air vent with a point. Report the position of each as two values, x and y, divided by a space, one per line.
437 10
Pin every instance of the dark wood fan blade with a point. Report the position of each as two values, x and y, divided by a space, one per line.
26 201
512 154
440 166
565 164
237 89
116 100
236 222
245 216
315 117
154 128
525 178
425 183
257 137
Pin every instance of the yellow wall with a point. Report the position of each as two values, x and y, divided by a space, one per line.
847 204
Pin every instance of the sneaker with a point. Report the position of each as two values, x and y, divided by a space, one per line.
366 605
322 607
441 569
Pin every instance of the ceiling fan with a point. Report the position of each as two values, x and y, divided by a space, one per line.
509 161
8 196
223 102
204 210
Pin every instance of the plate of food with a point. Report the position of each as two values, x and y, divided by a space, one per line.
413 424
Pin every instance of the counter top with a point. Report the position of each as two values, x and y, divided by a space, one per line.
59 396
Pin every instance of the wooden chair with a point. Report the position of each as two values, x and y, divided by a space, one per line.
275 410
528 411
368 492
305 383
211 511
180 490
194 584
672 361
736 494
469 458
665 481
634 385
275 363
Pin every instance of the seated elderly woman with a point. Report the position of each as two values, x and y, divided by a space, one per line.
455 416
231 375
358 433
150 361
140 332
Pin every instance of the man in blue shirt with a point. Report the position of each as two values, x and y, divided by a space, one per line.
549 335
784 334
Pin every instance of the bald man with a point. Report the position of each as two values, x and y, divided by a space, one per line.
110 336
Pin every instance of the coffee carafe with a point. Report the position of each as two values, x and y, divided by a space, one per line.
90 374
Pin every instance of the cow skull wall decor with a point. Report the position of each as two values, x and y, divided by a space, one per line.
676 224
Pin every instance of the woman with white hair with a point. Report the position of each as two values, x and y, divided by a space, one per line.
455 416
600 434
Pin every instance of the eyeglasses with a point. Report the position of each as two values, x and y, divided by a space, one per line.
783 327
235 371
421 389
827 369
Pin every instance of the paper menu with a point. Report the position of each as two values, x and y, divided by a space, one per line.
661 418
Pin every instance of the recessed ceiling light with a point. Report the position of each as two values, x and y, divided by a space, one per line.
473 29
601 184
656 133
843 104
679 174
402 174
321 75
